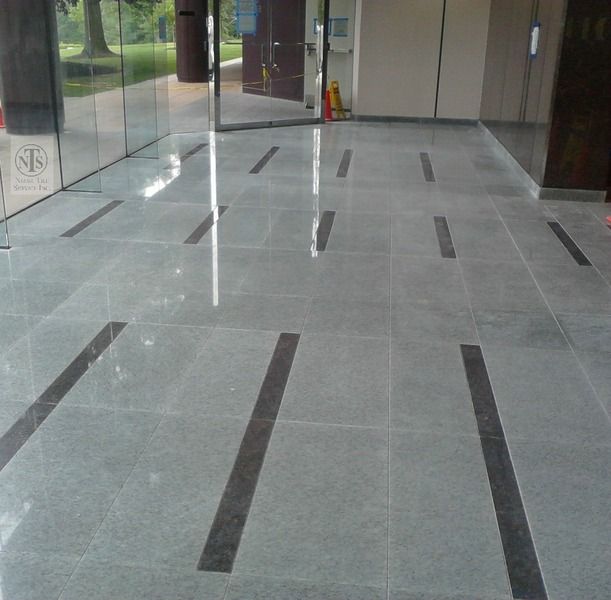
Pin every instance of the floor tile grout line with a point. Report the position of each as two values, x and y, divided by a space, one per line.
389 433
262 163
569 244
16 437
555 317
223 541
145 447
504 488
483 458
160 418
567 340
206 225
91 219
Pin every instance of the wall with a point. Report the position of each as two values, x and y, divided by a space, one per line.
340 58
518 90
580 135
399 72
463 58
551 112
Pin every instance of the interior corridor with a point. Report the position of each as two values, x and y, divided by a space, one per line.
349 362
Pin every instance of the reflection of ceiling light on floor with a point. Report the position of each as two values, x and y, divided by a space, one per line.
162 182
8 523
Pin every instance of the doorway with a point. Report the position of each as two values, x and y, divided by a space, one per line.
281 58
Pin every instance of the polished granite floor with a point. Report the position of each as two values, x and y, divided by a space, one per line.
348 363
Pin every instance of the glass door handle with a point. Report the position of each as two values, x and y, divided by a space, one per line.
275 45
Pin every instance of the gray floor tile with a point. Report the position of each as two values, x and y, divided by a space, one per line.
226 377
587 333
574 289
165 509
34 361
566 494
58 487
506 191
429 389
598 368
428 283
483 239
537 242
99 581
143 303
55 215
544 395
10 411
354 232
336 379
273 313
244 227
413 233
147 486
32 576
519 328
148 221
501 286
283 272
13 328
259 588
141 370
405 595
73 260
436 543
354 277
521 208
328 489
346 317
35 298
409 323
293 230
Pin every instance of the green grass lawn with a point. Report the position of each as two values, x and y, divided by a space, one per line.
141 63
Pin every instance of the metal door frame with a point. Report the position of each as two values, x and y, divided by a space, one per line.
214 78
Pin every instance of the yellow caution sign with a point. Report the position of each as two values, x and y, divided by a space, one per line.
336 101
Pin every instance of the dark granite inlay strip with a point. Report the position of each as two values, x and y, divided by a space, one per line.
520 555
446 245
187 155
98 214
324 230
224 538
35 415
261 164
568 242
192 152
427 167
344 165
204 227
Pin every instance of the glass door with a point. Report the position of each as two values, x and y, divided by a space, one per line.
270 62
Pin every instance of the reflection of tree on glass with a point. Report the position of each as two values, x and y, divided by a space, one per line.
95 44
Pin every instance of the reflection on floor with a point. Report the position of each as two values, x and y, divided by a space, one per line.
386 380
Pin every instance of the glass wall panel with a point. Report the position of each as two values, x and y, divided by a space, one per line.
188 63
4 236
31 100
163 66
277 75
342 16
79 28
139 74
108 83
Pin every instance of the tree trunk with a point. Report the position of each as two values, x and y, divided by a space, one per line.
95 42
